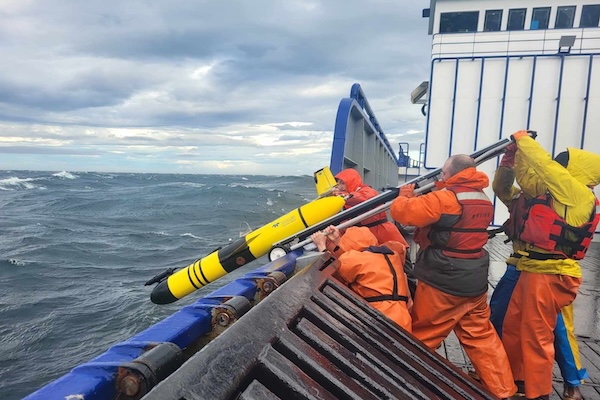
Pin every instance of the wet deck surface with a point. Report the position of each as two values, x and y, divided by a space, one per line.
587 319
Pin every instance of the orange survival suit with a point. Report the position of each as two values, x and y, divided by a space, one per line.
452 268
376 273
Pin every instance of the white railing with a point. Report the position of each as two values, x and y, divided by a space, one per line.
587 40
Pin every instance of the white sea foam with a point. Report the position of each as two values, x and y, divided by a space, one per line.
194 184
160 233
14 182
190 235
257 185
65 175
106 176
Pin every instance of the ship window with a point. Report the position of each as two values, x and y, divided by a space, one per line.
516 19
590 16
459 21
540 18
564 17
493 19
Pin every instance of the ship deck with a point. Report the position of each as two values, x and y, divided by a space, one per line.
587 319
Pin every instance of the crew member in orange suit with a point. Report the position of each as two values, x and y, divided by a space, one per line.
560 224
373 272
351 186
452 268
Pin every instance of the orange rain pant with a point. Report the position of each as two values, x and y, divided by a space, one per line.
528 328
435 314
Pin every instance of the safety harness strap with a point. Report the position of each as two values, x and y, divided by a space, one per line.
374 223
461 251
373 299
534 255
395 296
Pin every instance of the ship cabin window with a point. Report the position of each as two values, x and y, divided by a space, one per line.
540 18
564 17
516 19
590 16
459 21
493 19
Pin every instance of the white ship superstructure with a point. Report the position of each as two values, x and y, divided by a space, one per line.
501 66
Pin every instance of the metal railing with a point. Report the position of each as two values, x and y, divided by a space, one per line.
587 40
360 143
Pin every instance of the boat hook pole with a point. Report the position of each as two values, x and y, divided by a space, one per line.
423 189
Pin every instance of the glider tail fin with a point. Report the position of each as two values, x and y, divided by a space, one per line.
324 181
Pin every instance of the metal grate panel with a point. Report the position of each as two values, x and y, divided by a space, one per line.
314 339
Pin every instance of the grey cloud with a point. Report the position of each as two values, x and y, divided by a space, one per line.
288 127
292 138
138 64
48 150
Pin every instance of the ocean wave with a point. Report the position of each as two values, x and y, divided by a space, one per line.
65 175
256 185
194 184
160 233
94 239
14 183
187 234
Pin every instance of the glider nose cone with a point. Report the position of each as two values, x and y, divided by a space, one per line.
162 295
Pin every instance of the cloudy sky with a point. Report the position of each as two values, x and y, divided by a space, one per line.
201 86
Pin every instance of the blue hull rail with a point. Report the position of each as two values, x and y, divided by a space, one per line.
359 143
117 371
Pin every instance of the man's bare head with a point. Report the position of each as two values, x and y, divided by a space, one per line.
456 163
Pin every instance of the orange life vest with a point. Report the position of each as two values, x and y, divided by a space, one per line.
536 223
468 235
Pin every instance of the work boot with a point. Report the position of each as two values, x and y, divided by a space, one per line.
520 390
571 392
520 394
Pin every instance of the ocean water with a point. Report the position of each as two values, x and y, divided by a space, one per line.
76 249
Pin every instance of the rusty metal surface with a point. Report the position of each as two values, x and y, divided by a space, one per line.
313 339
136 378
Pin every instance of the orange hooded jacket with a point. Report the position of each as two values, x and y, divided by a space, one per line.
383 229
455 274
368 273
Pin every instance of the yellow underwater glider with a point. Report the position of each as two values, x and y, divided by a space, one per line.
172 285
